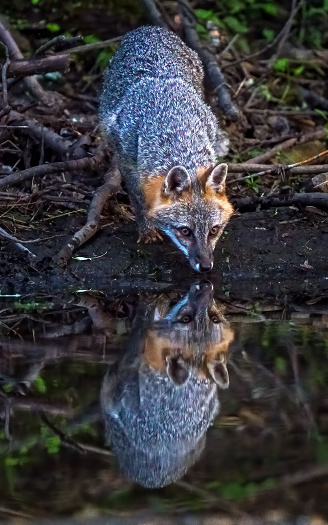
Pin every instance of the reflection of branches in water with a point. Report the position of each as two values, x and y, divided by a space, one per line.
262 397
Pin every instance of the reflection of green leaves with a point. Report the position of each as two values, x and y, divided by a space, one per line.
53 444
280 365
40 385
322 451
11 462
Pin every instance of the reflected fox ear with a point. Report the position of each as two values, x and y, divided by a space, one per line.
217 177
177 180
219 372
177 370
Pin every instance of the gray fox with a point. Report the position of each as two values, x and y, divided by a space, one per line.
167 141
160 398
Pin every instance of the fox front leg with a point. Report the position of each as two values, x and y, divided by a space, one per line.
147 231
149 236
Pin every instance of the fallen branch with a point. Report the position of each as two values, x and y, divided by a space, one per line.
51 139
248 204
89 163
212 70
111 187
301 139
24 68
275 168
33 86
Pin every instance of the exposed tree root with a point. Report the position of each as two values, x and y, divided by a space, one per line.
90 163
111 187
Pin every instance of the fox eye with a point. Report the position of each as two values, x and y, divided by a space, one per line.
214 230
185 231
215 319
186 319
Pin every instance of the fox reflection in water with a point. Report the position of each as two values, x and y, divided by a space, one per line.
160 399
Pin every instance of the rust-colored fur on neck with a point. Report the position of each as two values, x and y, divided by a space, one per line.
155 197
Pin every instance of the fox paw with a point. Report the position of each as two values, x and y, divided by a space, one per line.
149 237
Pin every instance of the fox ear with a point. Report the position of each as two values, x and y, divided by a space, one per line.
177 370
219 372
177 180
217 177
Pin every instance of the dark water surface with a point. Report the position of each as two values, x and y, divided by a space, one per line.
187 404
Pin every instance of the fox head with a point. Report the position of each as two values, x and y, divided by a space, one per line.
191 338
191 211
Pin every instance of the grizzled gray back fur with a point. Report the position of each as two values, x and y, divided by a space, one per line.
152 106
156 429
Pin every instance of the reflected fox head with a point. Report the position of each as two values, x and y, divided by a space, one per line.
191 337
191 211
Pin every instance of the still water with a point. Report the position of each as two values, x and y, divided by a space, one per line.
181 404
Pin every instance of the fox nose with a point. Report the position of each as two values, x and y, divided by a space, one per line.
204 266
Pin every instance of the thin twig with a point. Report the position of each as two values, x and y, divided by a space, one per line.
58 43
17 243
91 47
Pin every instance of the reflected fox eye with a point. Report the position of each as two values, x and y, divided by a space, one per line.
214 230
215 319
185 231
186 319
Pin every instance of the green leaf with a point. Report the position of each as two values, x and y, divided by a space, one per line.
270 8
90 39
235 25
322 114
204 14
201 30
281 64
53 28
298 71
268 34
236 6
